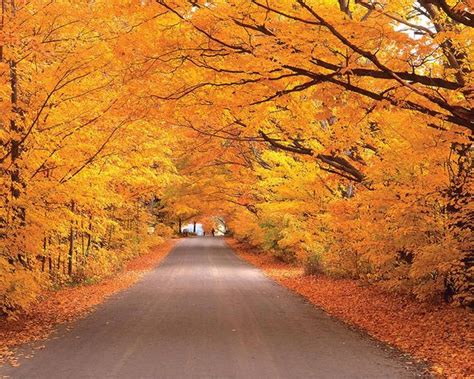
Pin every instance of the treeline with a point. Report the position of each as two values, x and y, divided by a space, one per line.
82 169
342 132
336 133
399 235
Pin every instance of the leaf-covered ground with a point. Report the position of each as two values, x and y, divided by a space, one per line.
440 335
70 304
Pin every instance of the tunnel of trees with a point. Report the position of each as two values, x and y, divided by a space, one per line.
336 134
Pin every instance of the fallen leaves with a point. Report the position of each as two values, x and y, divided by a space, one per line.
435 333
70 304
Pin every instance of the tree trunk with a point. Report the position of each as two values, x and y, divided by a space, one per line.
15 144
71 244
89 237
459 280
44 254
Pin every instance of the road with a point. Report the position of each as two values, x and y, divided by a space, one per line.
204 313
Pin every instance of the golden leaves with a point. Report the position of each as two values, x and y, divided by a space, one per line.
137 113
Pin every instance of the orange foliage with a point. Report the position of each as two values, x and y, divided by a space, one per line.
70 304
439 334
332 133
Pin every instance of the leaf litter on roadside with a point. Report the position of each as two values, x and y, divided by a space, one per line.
438 334
70 304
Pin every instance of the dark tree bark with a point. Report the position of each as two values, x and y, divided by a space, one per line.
71 244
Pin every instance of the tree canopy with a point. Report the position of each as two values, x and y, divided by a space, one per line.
334 133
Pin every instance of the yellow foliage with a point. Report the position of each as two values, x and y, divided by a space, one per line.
339 137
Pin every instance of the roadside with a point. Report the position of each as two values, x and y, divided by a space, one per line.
205 313
69 304
437 334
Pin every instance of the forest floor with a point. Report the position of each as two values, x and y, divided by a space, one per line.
438 334
72 303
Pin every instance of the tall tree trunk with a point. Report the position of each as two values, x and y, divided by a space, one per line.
460 281
89 237
15 145
138 218
71 244
44 254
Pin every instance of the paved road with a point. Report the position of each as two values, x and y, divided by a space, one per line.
203 313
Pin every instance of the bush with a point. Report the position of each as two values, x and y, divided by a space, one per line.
285 255
19 287
313 265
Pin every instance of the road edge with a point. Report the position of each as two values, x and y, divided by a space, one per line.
67 305
423 367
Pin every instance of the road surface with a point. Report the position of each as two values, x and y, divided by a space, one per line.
204 313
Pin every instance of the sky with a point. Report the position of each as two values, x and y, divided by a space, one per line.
190 228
